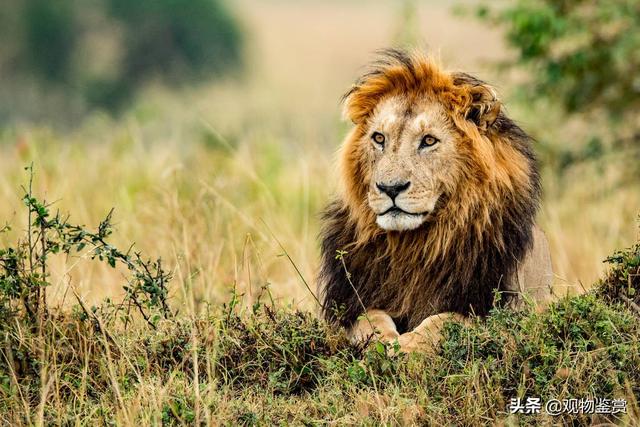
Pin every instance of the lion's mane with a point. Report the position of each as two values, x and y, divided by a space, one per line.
472 243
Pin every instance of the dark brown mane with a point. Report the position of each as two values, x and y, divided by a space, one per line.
468 249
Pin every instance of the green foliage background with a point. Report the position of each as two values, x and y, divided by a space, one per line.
583 56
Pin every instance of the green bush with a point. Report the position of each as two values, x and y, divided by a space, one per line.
583 56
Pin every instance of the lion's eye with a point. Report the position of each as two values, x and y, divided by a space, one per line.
378 138
428 141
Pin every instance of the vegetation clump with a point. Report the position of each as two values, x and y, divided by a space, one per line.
623 280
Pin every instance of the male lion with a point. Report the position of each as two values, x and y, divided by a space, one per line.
440 193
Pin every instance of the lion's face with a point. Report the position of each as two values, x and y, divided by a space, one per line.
413 160
424 148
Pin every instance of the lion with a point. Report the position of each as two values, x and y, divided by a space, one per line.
440 191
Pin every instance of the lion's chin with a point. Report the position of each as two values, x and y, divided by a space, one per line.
399 221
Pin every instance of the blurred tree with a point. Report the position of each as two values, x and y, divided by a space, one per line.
582 55
176 37
51 33
177 41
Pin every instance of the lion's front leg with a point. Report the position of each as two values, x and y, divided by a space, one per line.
427 334
373 323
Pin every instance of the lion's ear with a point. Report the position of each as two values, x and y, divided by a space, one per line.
348 112
484 108
357 105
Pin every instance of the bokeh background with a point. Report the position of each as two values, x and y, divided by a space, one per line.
211 126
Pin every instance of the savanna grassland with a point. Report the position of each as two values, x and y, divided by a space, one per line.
225 183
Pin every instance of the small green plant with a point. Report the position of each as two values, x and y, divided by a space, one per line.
24 272
622 283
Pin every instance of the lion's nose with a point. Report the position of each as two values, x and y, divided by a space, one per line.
393 190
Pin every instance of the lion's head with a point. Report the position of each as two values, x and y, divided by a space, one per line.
440 191
420 135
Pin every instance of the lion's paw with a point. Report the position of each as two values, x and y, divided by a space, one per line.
426 336
411 342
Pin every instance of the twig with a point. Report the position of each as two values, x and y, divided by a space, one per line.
631 303
341 254
30 243
292 263
8 357
94 318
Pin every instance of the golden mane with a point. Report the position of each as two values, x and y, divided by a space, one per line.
480 230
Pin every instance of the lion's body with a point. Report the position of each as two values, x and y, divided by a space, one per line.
475 232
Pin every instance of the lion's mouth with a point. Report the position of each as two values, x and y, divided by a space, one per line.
397 219
395 211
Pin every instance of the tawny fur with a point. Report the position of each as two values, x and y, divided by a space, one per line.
480 231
